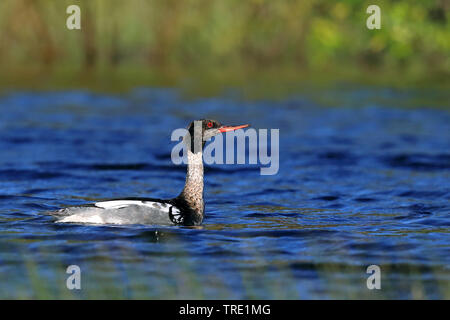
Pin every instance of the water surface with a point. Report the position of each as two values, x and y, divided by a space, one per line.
363 179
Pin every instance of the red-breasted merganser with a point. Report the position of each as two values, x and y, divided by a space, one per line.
186 209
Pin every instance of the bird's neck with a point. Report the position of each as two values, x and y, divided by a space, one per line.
193 188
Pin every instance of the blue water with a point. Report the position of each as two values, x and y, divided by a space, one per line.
363 179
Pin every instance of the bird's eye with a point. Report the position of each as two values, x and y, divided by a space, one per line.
209 124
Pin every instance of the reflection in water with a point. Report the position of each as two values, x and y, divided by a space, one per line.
358 185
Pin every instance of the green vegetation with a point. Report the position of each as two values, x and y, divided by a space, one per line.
165 42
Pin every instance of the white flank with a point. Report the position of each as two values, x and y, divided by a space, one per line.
117 204
82 218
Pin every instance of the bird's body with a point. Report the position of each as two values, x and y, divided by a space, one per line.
123 211
186 209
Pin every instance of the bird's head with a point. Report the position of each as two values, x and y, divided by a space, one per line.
205 129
